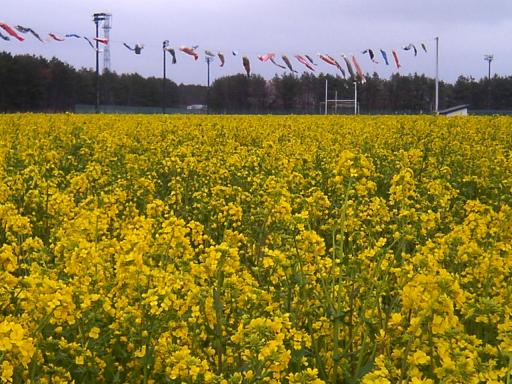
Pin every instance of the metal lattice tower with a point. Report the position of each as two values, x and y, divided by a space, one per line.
107 26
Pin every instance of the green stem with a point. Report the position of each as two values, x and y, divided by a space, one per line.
217 302
509 374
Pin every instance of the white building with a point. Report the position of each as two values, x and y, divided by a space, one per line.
196 107
459 110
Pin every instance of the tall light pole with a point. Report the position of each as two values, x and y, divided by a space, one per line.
208 60
165 44
489 59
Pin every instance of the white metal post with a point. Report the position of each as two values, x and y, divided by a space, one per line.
326 96
355 97
437 77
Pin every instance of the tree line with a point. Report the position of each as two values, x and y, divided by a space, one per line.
30 83
36 84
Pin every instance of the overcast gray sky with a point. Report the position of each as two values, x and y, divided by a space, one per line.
467 29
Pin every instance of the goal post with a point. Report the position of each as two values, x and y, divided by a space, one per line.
340 107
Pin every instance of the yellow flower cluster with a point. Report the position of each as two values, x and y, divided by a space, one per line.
237 249
16 349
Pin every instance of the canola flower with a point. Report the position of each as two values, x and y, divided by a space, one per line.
236 249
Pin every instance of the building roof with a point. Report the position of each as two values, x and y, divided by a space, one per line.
453 109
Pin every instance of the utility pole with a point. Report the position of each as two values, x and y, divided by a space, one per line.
437 77
165 44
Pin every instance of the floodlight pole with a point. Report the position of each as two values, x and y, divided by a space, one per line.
164 79
208 61
489 59
437 77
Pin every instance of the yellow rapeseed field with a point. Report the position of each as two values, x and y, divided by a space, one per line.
221 249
